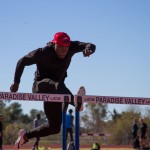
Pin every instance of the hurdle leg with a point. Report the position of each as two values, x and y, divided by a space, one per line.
64 109
77 122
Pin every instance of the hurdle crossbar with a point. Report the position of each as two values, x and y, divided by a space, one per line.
114 100
35 97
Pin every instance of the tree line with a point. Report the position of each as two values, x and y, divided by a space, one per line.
98 119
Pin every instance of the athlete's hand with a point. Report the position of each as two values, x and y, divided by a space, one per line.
87 53
14 87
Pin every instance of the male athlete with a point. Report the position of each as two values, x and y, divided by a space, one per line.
52 62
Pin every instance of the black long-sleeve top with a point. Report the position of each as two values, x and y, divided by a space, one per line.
49 65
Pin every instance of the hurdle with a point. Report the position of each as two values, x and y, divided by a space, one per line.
78 105
102 100
63 98
66 98
64 110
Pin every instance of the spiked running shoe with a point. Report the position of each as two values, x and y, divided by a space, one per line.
21 140
81 91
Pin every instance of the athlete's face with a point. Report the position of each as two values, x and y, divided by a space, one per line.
61 51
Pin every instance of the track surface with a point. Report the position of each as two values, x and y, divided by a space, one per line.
54 147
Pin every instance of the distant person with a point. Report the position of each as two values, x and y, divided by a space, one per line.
135 133
35 125
1 131
143 136
69 125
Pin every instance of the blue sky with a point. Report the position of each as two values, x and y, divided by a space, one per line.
120 29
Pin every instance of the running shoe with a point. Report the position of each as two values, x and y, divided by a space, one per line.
81 91
20 141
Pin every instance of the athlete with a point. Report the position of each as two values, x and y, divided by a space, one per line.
69 124
52 62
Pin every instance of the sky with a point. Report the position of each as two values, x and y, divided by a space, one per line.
120 29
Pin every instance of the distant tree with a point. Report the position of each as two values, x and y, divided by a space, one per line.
121 128
25 119
94 116
11 132
13 112
2 105
115 115
147 112
15 119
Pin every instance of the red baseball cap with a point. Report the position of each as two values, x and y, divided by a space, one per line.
61 39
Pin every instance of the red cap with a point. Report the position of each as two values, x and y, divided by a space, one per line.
61 39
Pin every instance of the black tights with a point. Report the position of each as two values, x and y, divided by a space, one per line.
53 110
